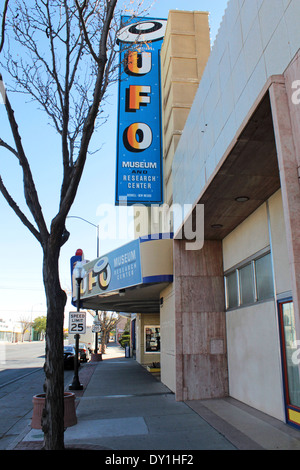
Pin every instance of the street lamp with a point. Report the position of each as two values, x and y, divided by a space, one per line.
79 273
97 227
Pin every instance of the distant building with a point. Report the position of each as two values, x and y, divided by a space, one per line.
10 331
120 327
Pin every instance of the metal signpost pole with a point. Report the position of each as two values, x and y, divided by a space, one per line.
98 242
76 385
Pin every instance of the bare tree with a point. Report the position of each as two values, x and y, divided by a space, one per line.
108 322
26 324
62 53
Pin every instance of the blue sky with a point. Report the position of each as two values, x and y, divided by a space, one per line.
21 287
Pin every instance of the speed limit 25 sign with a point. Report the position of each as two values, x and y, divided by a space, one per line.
77 323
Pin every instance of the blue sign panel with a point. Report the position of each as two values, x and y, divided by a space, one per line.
139 146
116 270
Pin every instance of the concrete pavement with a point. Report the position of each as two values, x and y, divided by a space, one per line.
123 407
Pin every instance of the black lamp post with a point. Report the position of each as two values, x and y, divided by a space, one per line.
78 274
97 227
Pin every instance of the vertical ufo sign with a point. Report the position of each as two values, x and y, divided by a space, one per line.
139 141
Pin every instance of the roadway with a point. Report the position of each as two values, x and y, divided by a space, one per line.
20 359
21 377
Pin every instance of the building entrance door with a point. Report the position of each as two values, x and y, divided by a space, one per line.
291 362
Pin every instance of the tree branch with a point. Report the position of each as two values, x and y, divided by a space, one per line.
84 29
29 186
3 25
18 212
74 114
89 124
9 147
52 49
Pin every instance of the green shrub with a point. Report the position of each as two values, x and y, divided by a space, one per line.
125 339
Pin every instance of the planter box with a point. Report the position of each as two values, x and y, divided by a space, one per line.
96 357
69 407
153 369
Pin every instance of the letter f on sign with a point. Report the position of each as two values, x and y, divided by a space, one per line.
138 97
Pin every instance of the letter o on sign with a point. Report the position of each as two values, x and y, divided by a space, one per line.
137 137
103 270
143 31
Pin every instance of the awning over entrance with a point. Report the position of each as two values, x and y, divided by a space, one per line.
130 278
246 177
250 173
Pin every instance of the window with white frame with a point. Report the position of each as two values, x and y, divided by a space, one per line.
152 339
250 282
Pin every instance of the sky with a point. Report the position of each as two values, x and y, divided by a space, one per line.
21 287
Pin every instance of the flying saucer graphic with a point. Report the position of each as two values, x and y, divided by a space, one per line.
100 265
102 269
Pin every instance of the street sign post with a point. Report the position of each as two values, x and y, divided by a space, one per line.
77 323
96 328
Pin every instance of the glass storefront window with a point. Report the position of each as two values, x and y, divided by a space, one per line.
250 283
246 285
152 339
264 277
232 290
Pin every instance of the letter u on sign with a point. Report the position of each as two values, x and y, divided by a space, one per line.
138 63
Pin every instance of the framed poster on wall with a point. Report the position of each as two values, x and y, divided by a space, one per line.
152 339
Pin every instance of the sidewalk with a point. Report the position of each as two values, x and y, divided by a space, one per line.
123 407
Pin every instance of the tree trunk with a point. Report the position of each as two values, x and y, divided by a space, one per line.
104 333
53 414
103 342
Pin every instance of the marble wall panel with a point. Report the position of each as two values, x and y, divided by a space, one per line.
201 353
